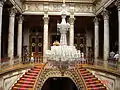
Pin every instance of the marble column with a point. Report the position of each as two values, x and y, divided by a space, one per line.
96 37
118 7
71 35
1 10
45 38
19 41
11 34
106 36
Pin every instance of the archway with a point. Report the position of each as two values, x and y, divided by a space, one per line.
59 83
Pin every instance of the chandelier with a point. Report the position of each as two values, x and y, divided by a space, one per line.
63 56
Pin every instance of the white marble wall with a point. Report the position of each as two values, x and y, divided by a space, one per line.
8 80
111 81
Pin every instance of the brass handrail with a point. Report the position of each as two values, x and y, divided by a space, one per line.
77 68
36 81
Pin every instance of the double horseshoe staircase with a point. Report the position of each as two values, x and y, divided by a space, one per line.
29 79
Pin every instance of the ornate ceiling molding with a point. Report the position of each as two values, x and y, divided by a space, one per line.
57 7
101 4
68 1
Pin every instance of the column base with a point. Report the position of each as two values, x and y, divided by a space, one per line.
95 61
44 60
20 60
11 62
105 64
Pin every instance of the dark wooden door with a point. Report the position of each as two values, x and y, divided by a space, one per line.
80 42
36 45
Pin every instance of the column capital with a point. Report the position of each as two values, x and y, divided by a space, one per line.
117 3
105 14
46 20
2 3
20 19
71 20
96 20
12 11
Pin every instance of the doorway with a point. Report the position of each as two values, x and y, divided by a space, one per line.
59 83
80 42
36 42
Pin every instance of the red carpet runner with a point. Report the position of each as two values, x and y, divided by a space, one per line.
92 82
27 81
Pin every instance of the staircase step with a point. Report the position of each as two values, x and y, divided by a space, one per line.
98 88
28 79
93 82
25 82
32 74
91 79
23 85
95 85
32 71
86 74
36 69
89 76
21 88
83 72
29 76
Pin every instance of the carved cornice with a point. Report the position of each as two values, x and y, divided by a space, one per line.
57 7
2 2
102 3
117 3
67 1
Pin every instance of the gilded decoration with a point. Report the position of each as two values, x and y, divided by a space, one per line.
48 73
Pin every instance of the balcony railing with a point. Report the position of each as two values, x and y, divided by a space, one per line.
6 62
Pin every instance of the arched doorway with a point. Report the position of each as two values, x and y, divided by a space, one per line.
59 83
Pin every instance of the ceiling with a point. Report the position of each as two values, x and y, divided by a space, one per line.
77 1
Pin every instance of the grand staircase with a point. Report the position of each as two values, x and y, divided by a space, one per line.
28 80
91 82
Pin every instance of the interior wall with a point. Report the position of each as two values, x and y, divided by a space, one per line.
7 80
26 37
15 36
89 37
113 20
5 26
